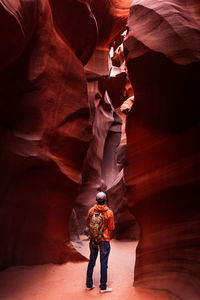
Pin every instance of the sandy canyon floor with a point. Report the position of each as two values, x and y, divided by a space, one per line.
67 281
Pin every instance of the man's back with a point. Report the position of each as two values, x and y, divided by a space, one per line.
108 219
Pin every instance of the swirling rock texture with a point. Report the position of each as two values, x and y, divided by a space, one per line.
162 177
103 166
45 129
111 19
46 121
82 33
92 174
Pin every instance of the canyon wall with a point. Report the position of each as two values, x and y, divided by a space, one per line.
162 176
45 130
46 122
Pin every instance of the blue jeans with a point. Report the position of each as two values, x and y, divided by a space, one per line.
104 253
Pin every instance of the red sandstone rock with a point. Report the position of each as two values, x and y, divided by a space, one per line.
92 179
76 23
110 23
162 175
45 133
168 27
16 29
101 169
44 138
45 122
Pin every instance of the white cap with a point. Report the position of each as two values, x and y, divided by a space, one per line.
101 196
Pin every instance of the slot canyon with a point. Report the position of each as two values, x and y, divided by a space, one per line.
99 95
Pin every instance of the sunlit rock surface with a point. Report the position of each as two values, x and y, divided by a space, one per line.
110 21
45 134
169 27
162 175
104 162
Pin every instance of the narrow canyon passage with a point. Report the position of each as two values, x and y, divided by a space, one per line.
67 281
99 95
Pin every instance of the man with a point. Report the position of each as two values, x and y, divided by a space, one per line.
103 243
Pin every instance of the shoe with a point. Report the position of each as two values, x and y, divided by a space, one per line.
107 290
91 288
